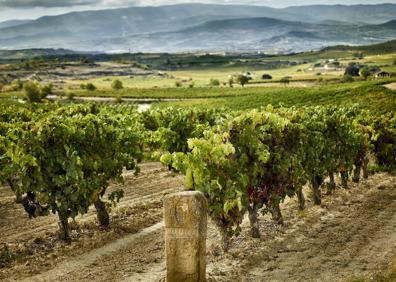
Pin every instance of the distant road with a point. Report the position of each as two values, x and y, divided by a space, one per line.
142 103
111 99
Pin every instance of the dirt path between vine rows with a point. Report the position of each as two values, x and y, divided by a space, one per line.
353 234
391 86
37 250
61 272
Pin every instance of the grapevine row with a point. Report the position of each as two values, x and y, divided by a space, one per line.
62 158
251 163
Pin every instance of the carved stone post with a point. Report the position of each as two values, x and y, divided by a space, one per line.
185 236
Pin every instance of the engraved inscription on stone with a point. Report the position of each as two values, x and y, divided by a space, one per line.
185 236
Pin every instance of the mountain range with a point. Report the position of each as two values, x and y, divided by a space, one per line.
205 27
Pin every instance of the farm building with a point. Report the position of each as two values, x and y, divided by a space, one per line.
332 65
382 74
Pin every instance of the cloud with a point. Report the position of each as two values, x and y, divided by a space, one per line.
43 3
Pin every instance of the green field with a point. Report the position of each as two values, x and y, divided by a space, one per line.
187 77
370 95
200 77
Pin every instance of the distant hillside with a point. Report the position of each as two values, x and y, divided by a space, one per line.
244 24
251 34
364 14
136 20
33 53
13 23
204 27
390 24
166 61
382 48
298 35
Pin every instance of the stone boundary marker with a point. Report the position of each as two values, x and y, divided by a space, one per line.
185 217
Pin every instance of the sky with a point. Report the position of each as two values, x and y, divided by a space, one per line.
32 9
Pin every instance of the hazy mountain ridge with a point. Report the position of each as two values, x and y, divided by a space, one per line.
193 27
13 23
366 14
12 55
250 35
138 20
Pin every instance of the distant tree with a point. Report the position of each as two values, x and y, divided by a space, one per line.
32 91
17 84
191 84
358 55
352 70
394 62
231 82
178 84
46 90
214 82
87 61
118 99
348 78
266 76
285 80
31 64
364 72
90 86
70 96
117 84
242 79
374 69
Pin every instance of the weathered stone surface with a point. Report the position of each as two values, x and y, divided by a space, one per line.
185 216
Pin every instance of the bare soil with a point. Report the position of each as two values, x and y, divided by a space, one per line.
391 86
34 245
352 234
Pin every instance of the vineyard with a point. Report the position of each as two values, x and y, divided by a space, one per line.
66 160
215 142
